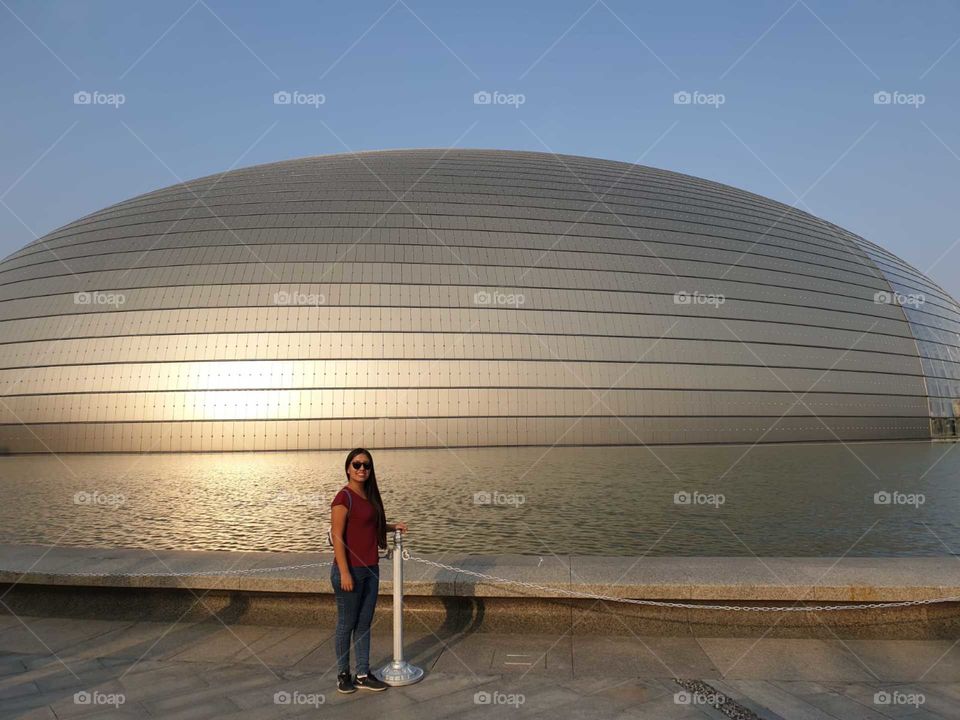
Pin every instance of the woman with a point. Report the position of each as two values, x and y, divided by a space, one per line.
358 526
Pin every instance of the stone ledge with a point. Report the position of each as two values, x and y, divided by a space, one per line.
726 579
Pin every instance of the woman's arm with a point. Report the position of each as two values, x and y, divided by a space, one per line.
402 527
338 525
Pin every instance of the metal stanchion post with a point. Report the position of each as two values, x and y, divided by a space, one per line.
398 672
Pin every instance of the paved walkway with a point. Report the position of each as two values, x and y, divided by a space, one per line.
209 670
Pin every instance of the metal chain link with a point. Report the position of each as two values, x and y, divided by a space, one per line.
386 556
689 606
198 573
405 554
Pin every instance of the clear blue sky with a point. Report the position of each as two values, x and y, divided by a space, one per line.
798 80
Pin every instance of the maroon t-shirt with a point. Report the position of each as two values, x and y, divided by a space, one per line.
361 535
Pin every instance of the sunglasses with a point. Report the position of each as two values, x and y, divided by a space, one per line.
357 465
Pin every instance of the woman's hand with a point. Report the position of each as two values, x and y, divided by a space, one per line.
402 527
346 581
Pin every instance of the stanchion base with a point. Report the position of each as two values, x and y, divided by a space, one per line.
399 673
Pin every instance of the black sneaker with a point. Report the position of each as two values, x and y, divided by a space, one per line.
345 683
369 682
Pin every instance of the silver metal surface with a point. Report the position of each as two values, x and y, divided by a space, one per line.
511 298
399 671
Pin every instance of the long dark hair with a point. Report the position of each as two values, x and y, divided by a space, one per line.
373 494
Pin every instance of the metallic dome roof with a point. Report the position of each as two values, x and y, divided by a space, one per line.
424 298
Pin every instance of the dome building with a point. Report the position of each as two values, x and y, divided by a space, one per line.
430 298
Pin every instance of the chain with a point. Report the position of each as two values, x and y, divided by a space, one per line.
204 573
405 554
689 606
197 573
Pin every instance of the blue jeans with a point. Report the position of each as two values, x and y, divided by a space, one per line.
354 614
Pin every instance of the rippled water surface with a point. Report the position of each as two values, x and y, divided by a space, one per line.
768 500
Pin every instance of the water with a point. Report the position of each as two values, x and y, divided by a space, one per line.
799 500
